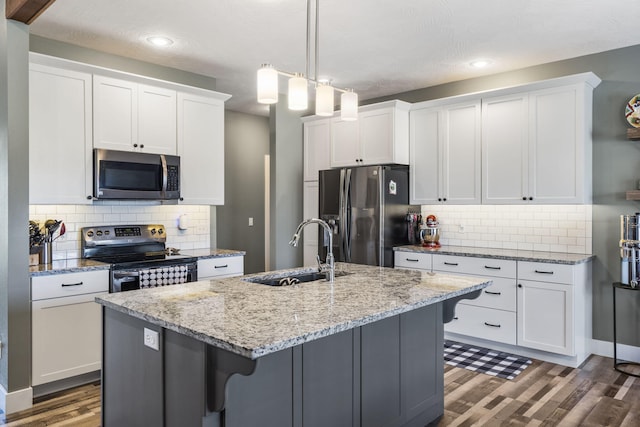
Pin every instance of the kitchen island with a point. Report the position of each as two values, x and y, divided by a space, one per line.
366 350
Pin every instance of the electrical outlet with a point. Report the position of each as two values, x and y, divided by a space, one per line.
461 228
151 339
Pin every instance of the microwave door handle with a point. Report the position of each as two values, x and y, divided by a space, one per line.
165 173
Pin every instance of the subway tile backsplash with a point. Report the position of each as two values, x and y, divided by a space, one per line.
553 228
197 236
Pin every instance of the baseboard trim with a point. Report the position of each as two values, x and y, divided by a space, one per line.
16 400
628 353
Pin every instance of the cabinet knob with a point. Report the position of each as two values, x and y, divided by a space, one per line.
89 197
439 199
519 285
141 145
524 198
444 199
135 145
530 198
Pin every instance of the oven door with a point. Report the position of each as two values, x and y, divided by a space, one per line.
152 277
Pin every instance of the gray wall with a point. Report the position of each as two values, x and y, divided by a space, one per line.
246 143
616 166
286 184
101 59
15 314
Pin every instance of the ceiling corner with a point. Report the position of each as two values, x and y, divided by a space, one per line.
26 11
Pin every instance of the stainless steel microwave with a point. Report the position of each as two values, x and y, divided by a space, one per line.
122 175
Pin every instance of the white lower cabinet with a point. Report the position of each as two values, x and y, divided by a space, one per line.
66 325
218 268
492 315
548 313
542 308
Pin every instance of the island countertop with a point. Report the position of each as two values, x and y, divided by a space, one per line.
254 320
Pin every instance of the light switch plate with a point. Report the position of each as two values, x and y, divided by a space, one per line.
151 339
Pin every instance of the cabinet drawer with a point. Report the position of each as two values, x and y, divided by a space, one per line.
475 266
485 323
69 284
545 272
417 260
223 266
501 295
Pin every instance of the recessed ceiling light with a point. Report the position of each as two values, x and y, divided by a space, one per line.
480 63
160 41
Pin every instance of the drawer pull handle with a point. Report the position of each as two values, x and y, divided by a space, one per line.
543 272
455 264
221 266
492 325
411 259
492 268
64 285
455 318
493 293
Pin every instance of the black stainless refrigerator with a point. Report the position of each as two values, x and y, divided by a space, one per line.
367 208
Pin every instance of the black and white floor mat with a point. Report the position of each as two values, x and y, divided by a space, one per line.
484 360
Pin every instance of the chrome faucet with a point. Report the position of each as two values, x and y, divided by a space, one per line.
329 265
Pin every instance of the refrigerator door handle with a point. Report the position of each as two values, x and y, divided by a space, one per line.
346 225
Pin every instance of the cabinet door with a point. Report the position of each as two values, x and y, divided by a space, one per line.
156 120
424 148
201 147
460 154
310 210
545 316
557 154
504 150
345 145
317 148
115 117
66 337
376 136
215 268
60 129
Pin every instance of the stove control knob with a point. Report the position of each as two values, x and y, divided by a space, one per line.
160 231
153 231
98 233
89 233
106 232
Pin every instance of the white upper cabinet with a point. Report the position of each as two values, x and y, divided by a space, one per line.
445 154
505 149
379 136
133 117
317 142
60 160
536 146
201 148
157 120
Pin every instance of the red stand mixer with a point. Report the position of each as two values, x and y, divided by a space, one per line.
430 233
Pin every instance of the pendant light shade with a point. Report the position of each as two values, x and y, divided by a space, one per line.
267 84
298 93
349 106
324 100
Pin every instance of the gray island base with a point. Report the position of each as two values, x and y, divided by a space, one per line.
366 351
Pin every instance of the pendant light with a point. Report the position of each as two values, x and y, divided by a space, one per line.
298 83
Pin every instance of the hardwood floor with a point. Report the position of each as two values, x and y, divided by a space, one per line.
543 395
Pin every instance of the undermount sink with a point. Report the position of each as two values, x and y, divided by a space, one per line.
292 279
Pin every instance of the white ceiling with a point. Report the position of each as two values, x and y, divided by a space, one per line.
377 47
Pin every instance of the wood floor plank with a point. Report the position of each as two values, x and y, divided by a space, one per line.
544 394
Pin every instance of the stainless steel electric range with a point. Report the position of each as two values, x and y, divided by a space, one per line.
138 256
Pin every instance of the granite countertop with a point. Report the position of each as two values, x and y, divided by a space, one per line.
67 266
512 254
79 264
254 320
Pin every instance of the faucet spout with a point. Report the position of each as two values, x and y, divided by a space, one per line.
329 265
